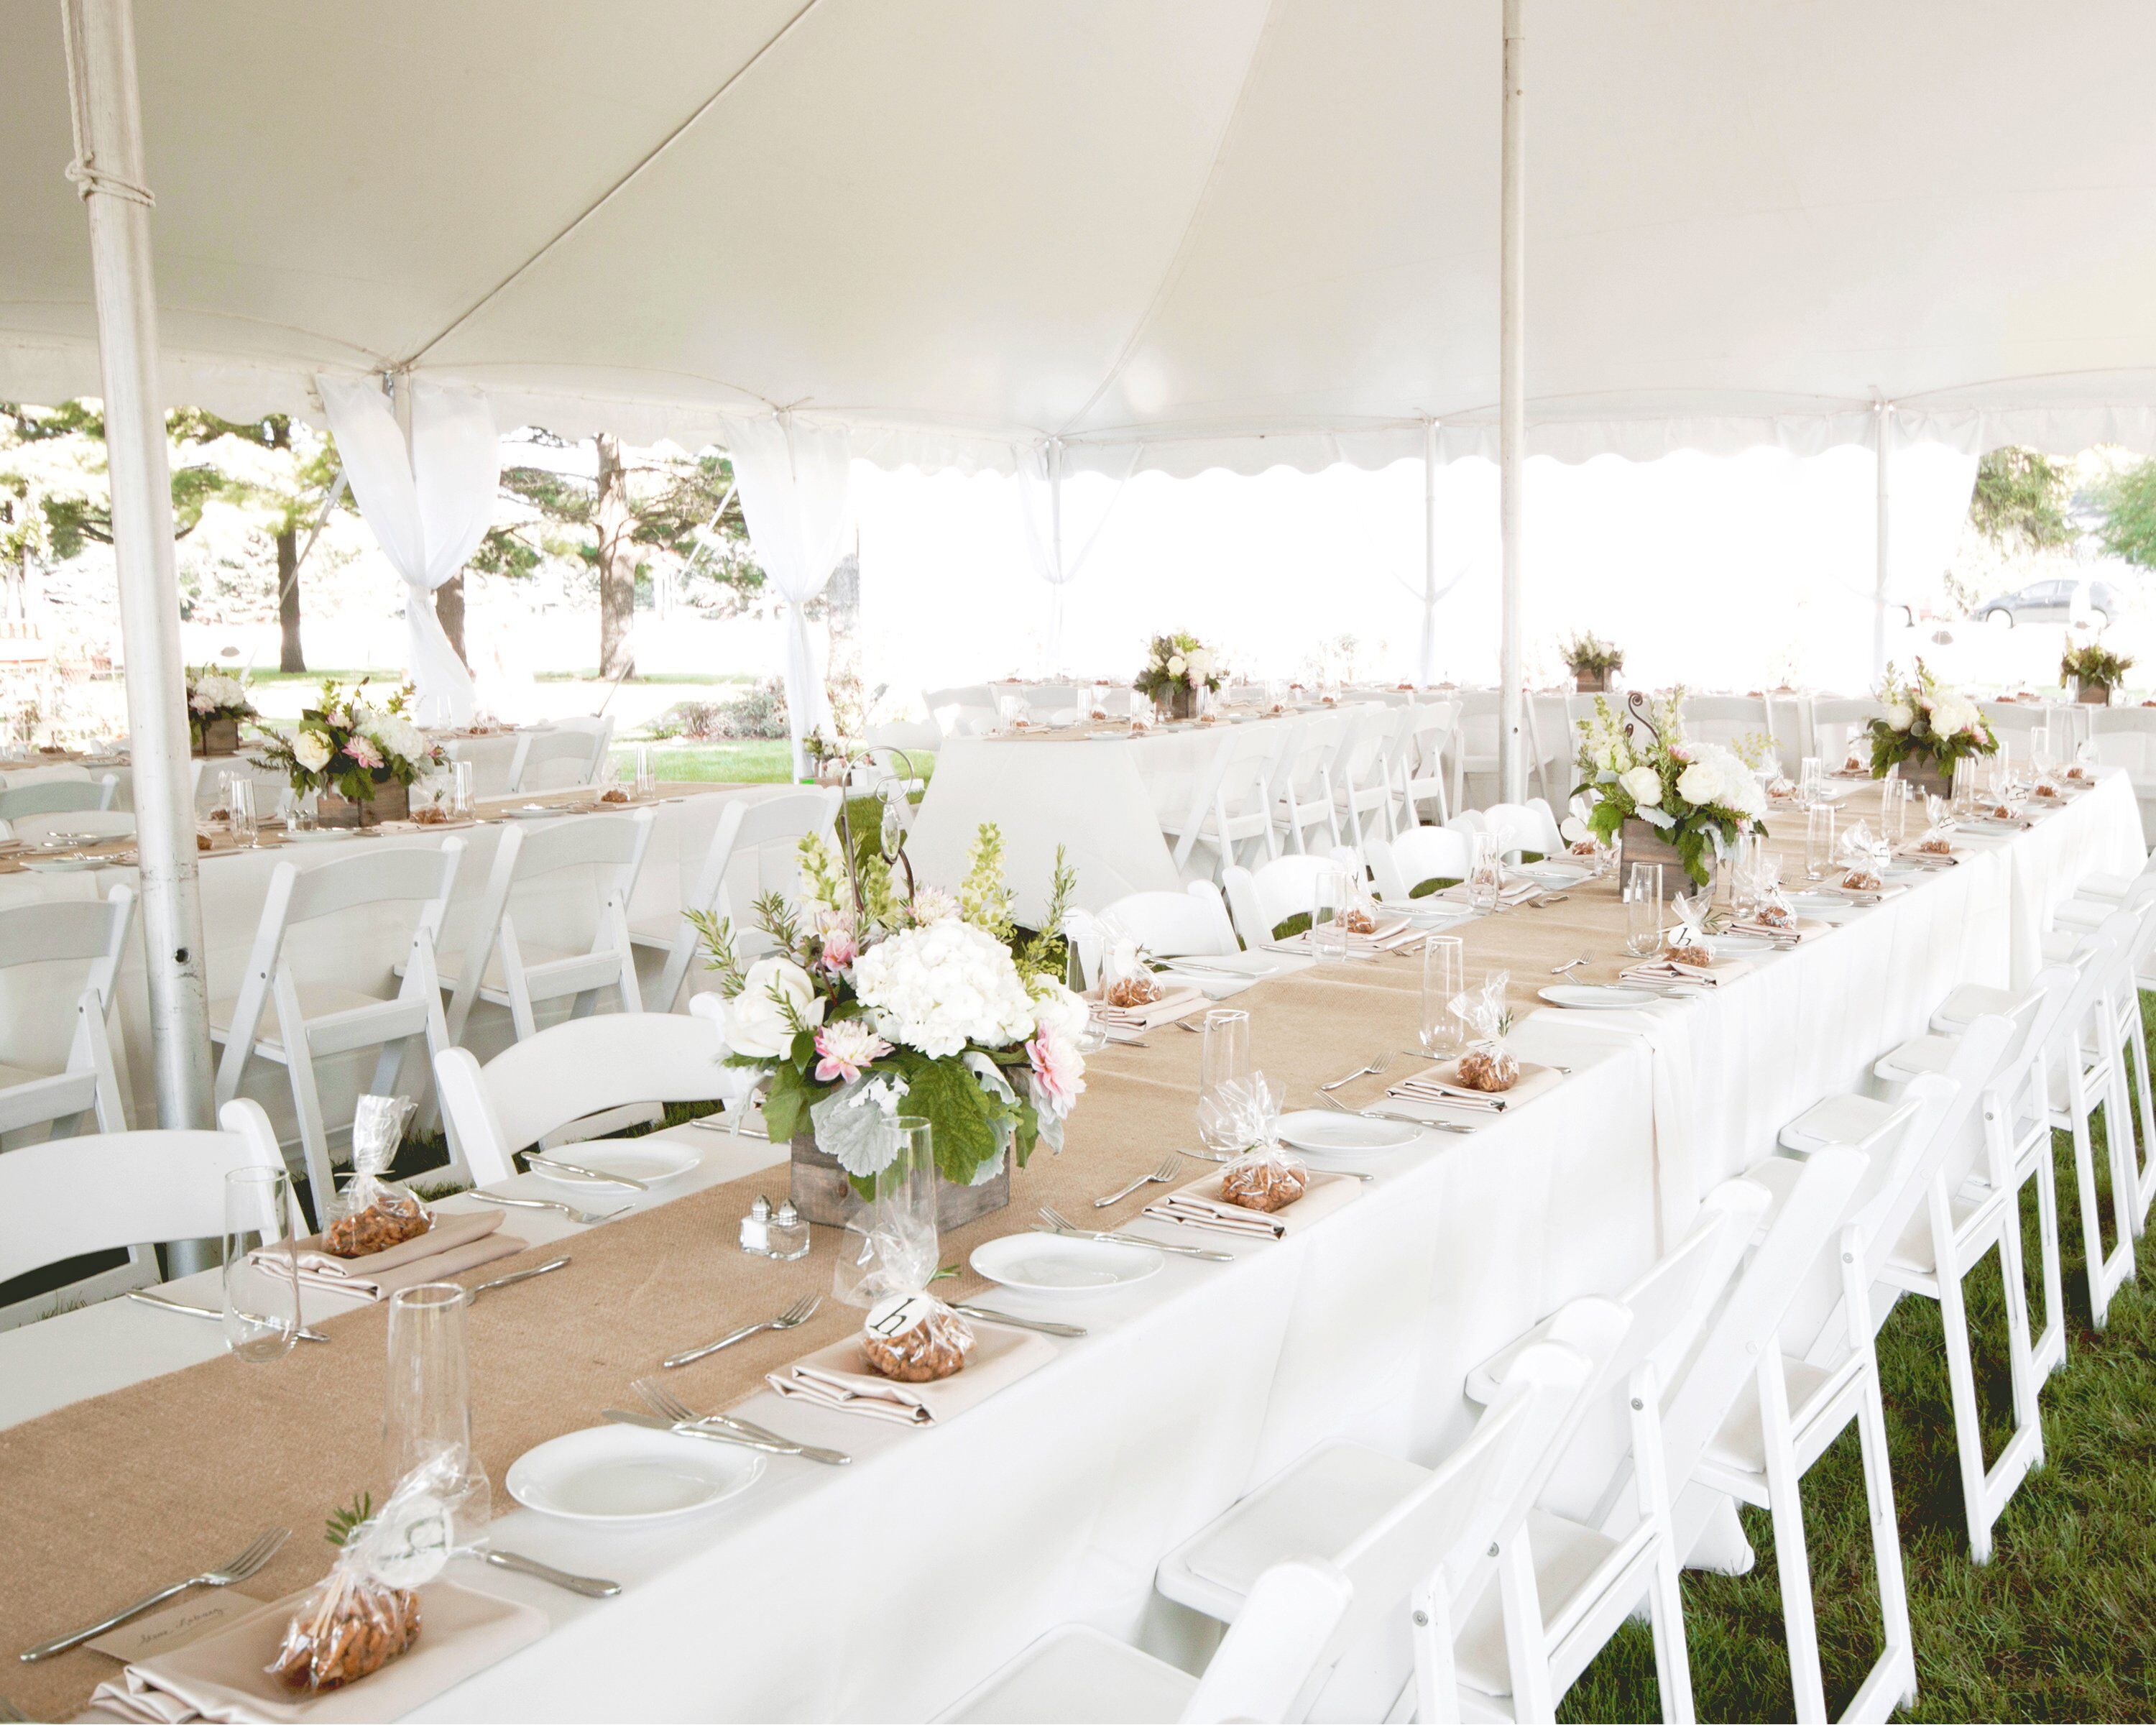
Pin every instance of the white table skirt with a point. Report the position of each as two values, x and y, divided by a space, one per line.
886 1589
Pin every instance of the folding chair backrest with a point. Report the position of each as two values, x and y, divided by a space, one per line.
598 840
79 930
19 776
1417 855
1269 1664
1517 826
562 758
1261 899
1830 722
579 1067
380 875
97 823
754 850
495 761
70 1197
57 796
1192 923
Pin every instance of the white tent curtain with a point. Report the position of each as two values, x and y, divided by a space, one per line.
428 505
1048 507
794 483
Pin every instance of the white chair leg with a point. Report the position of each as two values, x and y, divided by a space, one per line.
1527 1649
2048 1349
1436 1687
1897 1664
1969 1426
1792 1562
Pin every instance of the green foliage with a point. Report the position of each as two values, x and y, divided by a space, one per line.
2094 663
2129 501
344 1523
1046 951
984 898
2020 502
720 957
961 1114
1587 652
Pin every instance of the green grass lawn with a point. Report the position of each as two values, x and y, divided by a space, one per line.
758 763
2061 1624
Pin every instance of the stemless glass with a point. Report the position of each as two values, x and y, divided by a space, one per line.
1964 785
1486 873
1819 841
1443 976
1331 893
889 1246
261 1265
647 775
1224 1059
1643 909
427 1407
1810 781
460 789
239 809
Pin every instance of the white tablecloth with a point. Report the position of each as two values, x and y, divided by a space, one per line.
886 1589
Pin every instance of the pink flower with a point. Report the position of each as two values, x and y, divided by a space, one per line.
846 1047
1059 1073
362 750
840 949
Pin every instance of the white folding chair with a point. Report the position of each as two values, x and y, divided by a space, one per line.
1303 782
1724 719
1422 755
1261 899
95 935
1364 774
969 710
58 796
571 1071
1230 808
17 777
73 1198
1417 857
1190 924
1832 722
749 838
1345 1501
563 757
293 1024
495 761
505 966
2125 737
89 822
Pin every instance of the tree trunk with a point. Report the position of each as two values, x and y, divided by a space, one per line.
449 613
617 562
289 655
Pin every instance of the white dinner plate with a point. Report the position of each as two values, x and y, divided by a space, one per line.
1324 1130
1052 1264
1743 943
628 1474
1825 906
654 1161
64 865
1597 997
532 811
318 835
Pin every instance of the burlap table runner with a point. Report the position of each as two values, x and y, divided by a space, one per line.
108 1498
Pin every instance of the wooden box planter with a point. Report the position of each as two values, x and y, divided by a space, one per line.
1590 682
2092 694
217 737
391 801
823 1194
1642 842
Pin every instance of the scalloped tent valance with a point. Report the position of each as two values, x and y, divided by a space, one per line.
1231 232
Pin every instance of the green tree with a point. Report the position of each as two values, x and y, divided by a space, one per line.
2020 503
2127 499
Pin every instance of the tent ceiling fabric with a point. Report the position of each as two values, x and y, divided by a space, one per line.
1237 232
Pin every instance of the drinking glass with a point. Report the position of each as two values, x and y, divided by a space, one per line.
1964 785
427 1411
1643 909
1893 807
461 797
1486 873
239 809
889 1246
261 1265
1810 781
647 775
1331 893
1444 975
1819 841
1224 1059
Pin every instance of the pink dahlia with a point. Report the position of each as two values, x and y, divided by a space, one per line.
844 1048
1058 1072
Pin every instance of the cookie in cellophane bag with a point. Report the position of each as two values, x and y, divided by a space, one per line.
1263 1176
915 1338
373 1214
1489 1063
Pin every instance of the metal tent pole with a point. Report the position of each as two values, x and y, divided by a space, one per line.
1511 413
1426 658
1882 562
1054 667
108 170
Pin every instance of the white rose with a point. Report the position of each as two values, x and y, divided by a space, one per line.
1900 715
1177 665
1699 784
756 1021
1643 785
311 751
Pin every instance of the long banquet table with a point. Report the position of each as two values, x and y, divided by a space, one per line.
885 1589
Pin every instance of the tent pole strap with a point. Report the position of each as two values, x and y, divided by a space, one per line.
108 170
1882 563
1511 412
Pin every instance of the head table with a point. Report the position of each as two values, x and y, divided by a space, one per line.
885 1589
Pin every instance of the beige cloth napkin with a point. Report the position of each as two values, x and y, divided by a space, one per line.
1805 928
1387 938
1200 1205
1441 1084
1668 970
1513 892
456 1242
1178 1000
222 1676
838 1377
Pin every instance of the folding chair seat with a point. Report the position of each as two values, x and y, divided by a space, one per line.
93 934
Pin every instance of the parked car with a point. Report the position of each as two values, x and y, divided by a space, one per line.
2054 601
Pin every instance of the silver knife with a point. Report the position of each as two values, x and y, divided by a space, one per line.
170 1305
1041 1324
652 1422
533 1158
517 1275
812 1452
1158 1246
591 1587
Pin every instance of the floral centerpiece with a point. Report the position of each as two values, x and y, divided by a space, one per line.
1669 798
1590 659
2094 670
1176 667
216 704
360 758
1926 727
882 997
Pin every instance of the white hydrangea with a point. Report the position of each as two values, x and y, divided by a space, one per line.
937 988
214 691
398 736
1718 778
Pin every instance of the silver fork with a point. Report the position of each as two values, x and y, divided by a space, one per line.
1161 1175
799 1313
587 1218
1057 1222
1377 1064
1435 1126
265 1548
1573 965
665 1401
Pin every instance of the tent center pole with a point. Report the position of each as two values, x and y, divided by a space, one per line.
104 103
1426 658
1511 413
1882 563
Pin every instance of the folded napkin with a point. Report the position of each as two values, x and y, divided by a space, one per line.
1441 1084
1200 1205
222 1676
1178 1000
1388 937
1805 928
456 1242
1512 892
1669 970
838 1377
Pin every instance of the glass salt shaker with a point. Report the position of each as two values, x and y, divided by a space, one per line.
788 1233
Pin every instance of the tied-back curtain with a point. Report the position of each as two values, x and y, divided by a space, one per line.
793 480
1059 546
427 507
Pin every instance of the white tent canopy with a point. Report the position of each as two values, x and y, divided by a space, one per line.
1234 233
